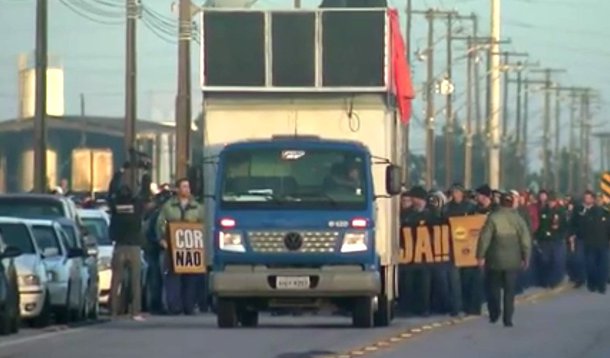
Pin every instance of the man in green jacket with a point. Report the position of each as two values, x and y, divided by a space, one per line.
181 290
503 250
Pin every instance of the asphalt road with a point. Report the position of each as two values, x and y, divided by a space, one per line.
573 324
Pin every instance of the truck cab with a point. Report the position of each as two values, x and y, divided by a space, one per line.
295 227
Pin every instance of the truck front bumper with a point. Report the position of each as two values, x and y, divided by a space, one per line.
326 281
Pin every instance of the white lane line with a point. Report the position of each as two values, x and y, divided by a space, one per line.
38 337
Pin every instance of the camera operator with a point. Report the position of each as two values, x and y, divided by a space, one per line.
127 211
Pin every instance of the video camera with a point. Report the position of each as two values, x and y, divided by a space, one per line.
138 160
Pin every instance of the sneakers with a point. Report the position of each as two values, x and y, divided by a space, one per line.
138 318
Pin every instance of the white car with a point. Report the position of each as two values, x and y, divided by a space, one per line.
64 269
34 297
97 222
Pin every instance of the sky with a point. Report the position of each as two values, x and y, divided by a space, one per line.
88 38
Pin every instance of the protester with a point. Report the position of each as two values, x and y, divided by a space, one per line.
591 227
503 249
181 290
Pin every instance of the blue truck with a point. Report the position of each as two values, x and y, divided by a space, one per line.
302 145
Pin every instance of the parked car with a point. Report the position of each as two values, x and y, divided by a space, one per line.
97 222
9 289
35 300
38 206
80 238
65 269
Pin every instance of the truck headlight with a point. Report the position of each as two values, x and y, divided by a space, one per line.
104 263
354 242
29 280
231 241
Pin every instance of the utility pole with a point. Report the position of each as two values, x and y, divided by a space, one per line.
130 93
449 108
469 133
557 161
518 137
430 157
506 68
40 111
183 99
548 72
297 4
473 44
431 15
494 125
587 142
477 84
407 126
524 145
571 142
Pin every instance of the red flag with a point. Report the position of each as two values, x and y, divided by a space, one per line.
402 86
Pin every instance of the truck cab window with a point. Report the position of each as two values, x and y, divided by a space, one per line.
294 179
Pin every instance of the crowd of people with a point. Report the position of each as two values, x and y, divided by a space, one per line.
539 238
139 221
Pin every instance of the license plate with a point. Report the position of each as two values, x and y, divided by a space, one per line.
292 283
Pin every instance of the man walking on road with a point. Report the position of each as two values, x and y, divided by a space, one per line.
591 226
503 250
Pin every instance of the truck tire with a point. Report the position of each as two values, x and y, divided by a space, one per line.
383 315
362 312
227 313
248 318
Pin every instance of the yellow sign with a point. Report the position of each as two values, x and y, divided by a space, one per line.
604 184
465 237
426 245
187 247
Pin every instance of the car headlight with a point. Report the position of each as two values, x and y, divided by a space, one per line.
29 280
104 263
231 241
354 241
52 276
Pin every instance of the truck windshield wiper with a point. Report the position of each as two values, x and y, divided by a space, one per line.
318 194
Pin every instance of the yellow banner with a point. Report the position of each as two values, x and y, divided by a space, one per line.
187 247
426 245
465 232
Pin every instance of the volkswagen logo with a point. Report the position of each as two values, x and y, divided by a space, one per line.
293 241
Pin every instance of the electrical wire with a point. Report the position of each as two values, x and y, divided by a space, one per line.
87 16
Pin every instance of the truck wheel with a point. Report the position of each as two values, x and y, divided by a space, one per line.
44 318
227 313
383 316
248 318
362 312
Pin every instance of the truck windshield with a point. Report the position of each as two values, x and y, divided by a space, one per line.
294 179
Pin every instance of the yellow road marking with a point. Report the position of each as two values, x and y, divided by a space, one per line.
400 337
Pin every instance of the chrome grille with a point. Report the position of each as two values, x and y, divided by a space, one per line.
313 241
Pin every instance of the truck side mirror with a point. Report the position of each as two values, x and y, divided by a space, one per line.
393 180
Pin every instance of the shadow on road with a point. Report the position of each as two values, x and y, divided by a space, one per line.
310 354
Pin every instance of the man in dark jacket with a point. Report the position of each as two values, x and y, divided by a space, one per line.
503 250
126 233
466 281
416 281
591 225
549 238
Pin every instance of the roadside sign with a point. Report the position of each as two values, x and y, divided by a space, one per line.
604 185
187 247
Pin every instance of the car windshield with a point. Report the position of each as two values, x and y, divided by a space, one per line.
31 207
99 229
46 239
293 179
17 235
71 231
